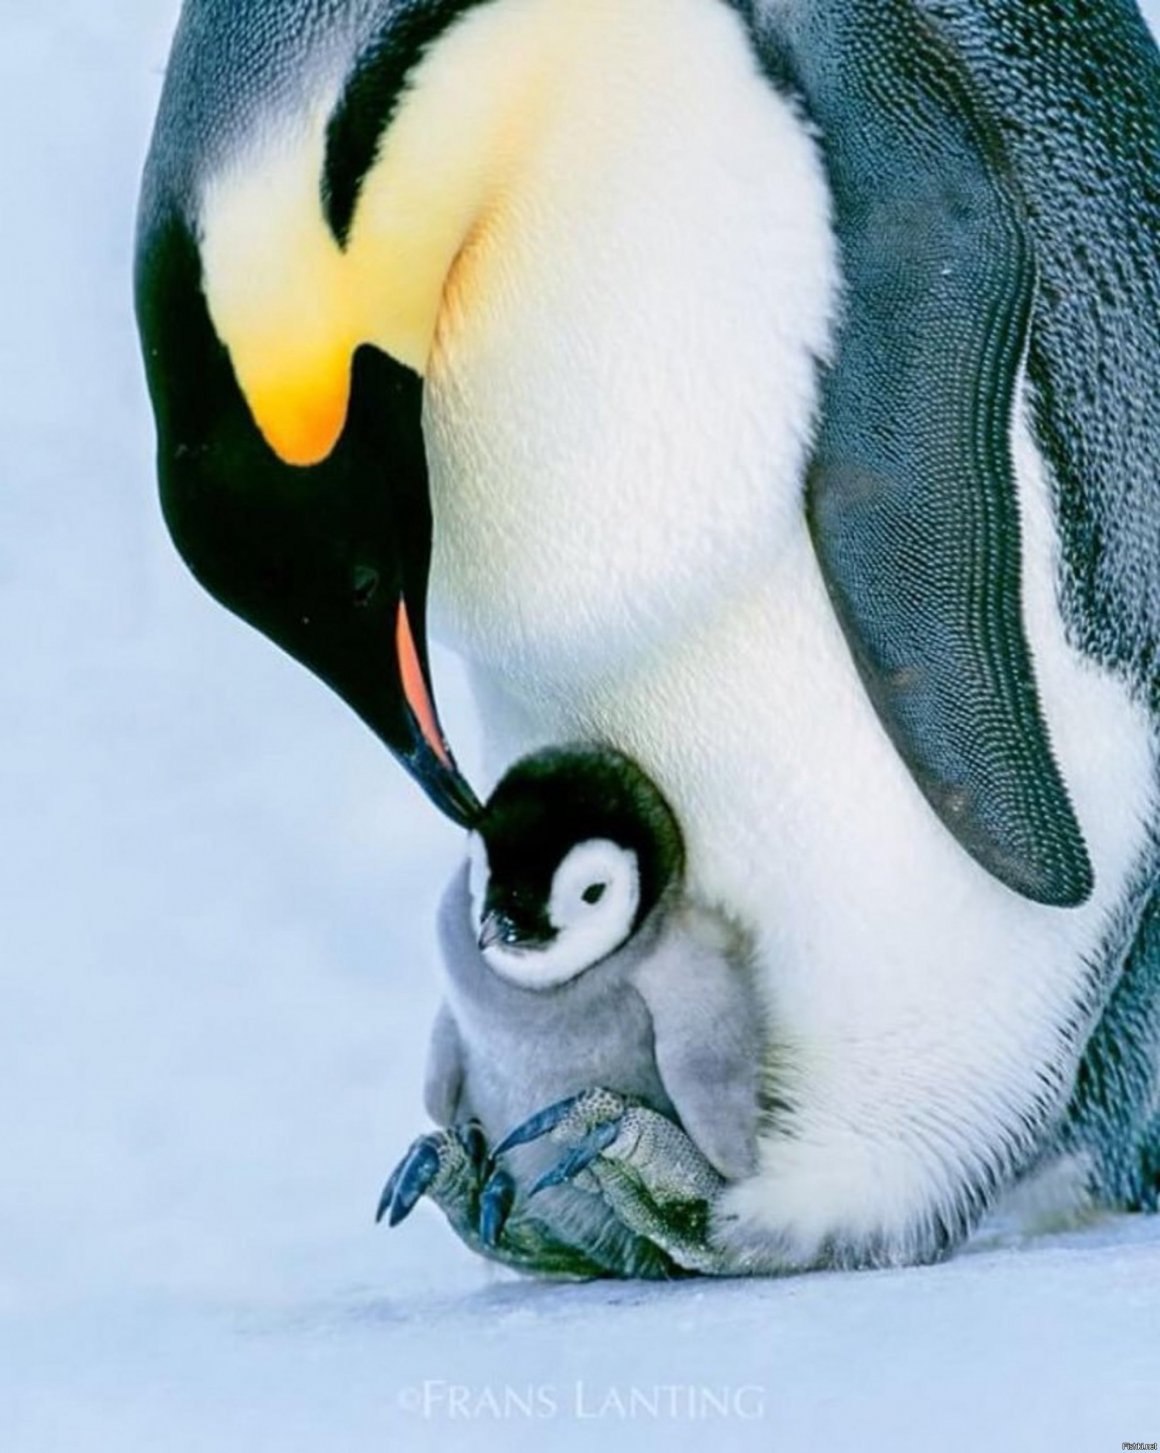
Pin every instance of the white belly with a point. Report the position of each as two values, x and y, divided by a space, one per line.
618 426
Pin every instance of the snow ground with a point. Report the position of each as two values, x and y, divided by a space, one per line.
213 1005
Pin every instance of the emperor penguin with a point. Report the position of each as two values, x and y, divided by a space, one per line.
762 388
575 962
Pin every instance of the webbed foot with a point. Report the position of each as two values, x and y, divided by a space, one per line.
453 1168
650 1174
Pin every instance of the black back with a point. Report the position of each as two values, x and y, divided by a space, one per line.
1075 86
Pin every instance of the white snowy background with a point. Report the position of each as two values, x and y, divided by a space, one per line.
216 976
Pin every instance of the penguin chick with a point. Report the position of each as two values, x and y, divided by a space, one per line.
575 959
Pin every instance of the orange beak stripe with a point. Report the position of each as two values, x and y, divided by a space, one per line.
415 687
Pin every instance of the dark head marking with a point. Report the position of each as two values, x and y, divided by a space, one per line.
553 800
370 100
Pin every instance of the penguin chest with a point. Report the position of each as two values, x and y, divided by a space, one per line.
623 383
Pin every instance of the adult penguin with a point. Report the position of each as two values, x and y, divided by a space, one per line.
779 377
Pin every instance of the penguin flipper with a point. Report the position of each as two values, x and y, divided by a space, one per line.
1078 88
912 500
709 1044
444 1074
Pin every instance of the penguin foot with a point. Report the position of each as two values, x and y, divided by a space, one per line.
446 1166
454 1169
650 1174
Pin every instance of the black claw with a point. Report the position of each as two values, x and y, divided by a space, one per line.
495 1207
474 1142
579 1157
538 1124
388 1194
416 1174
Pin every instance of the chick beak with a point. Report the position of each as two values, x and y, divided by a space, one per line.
498 929
494 930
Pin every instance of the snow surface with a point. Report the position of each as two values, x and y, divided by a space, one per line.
216 897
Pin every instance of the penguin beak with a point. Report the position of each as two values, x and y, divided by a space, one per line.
495 930
330 560
431 762
499 930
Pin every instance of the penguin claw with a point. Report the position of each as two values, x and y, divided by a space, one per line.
474 1142
435 1164
411 1180
579 1158
495 1206
388 1194
538 1125
578 1114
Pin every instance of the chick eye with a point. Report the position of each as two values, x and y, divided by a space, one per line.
594 893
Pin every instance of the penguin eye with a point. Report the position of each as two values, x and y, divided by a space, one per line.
364 583
594 893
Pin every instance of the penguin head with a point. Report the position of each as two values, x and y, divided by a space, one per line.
574 850
317 170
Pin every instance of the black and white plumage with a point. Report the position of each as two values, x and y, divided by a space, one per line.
577 961
769 386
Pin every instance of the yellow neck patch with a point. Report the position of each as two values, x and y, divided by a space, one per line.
289 304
